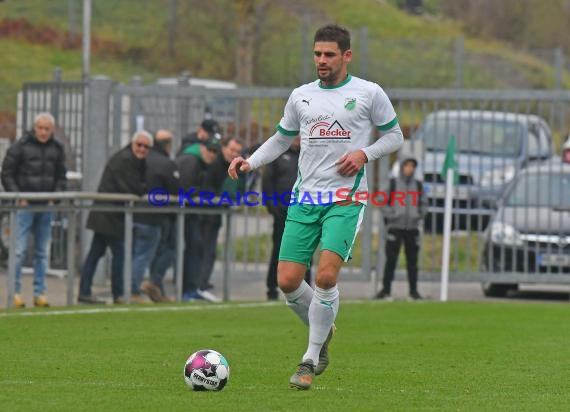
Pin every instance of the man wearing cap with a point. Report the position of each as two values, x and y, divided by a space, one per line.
209 128
192 164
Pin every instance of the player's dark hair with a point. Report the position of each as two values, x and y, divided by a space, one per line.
334 33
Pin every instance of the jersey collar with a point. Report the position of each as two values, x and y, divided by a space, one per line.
336 86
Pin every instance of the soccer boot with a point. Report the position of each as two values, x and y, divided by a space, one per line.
303 378
324 353
18 302
40 301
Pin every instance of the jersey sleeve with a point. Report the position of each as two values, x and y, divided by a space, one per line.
289 123
382 112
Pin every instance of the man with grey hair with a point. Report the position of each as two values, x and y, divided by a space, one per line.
35 163
124 173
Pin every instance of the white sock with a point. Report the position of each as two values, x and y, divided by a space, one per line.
322 313
299 301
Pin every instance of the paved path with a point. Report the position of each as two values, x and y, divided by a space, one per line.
249 285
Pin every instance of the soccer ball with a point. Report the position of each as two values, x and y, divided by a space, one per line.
206 370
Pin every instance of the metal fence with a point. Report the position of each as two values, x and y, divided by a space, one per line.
113 112
69 204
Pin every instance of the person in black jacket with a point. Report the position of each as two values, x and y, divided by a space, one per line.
124 173
279 177
192 166
161 172
35 163
217 181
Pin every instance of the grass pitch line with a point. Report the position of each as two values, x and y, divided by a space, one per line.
95 311
137 309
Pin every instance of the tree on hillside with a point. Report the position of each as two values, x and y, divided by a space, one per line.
250 16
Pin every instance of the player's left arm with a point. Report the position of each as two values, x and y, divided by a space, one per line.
383 116
389 142
351 163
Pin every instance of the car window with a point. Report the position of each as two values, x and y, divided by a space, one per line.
541 189
493 137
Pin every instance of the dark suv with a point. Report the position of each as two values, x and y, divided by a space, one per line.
491 148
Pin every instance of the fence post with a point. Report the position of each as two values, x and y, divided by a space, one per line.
227 255
183 108
95 142
12 258
71 239
179 272
128 262
558 68
55 92
136 109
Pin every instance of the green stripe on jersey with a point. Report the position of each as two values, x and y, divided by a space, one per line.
388 125
357 181
286 132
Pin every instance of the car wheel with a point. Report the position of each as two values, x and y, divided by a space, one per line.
498 290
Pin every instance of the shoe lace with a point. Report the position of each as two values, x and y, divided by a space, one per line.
305 368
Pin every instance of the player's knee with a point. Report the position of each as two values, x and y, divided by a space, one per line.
288 282
325 279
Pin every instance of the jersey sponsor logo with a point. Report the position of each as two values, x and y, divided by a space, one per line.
308 101
350 103
326 130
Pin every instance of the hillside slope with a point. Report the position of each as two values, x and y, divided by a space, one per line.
391 47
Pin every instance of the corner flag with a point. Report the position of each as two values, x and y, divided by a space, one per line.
450 176
449 162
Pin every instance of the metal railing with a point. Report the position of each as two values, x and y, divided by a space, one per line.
71 203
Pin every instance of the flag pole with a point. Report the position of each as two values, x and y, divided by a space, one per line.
447 173
446 234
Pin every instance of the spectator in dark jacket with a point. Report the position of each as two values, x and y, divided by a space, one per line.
161 172
35 163
279 178
218 182
124 173
403 222
192 165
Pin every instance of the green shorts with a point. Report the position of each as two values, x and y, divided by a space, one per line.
333 225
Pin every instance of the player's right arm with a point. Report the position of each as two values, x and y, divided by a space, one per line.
274 147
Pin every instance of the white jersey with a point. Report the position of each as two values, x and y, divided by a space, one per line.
333 121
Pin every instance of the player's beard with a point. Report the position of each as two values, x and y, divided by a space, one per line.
331 78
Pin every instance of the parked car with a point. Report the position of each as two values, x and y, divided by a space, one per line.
491 148
528 239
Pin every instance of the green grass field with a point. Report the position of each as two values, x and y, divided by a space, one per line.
385 356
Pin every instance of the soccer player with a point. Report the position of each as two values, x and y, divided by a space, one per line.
334 116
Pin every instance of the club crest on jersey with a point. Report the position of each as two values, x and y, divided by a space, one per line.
349 103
